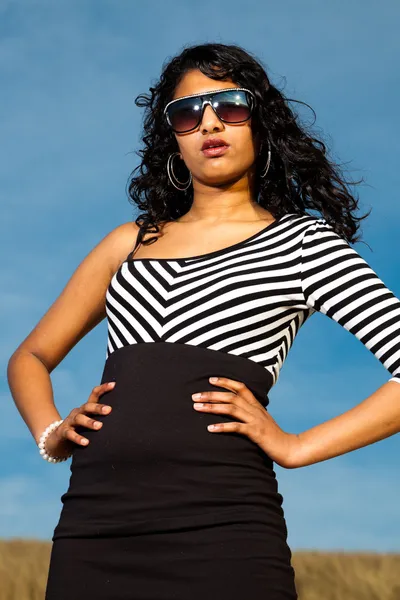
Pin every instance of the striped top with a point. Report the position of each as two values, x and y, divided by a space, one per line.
251 298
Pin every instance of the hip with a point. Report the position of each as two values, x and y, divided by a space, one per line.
227 561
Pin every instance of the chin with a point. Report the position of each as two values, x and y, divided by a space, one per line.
221 176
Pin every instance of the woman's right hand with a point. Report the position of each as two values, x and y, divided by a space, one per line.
62 440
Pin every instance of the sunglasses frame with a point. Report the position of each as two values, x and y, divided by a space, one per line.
207 98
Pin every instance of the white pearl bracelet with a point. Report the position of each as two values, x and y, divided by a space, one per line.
42 441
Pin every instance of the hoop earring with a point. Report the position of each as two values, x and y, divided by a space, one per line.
266 169
172 176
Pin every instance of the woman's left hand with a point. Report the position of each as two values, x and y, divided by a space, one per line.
258 425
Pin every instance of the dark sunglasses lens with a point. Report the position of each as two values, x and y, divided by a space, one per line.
185 115
233 107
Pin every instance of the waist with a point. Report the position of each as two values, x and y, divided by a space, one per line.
154 463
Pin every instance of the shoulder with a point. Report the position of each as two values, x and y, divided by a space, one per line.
124 235
314 235
121 241
308 223
305 227
313 228
116 245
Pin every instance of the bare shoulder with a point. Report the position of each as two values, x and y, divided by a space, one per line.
117 244
126 232
110 251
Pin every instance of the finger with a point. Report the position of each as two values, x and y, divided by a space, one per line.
94 407
234 410
232 426
210 396
69 434
228 398
98 390
235 386
86 421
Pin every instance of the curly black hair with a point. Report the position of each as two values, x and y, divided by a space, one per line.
300 176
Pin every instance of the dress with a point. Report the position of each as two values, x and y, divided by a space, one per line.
158 507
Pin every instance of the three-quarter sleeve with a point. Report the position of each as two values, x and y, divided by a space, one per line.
339 283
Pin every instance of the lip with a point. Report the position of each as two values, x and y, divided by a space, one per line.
217 151
213 142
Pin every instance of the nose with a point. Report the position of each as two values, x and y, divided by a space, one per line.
210 120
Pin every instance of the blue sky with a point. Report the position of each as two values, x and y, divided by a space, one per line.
69 71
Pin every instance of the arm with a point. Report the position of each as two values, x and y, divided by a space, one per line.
374 419
338 282
78 309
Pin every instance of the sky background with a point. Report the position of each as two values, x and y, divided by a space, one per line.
69 129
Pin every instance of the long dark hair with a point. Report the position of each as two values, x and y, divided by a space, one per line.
300 177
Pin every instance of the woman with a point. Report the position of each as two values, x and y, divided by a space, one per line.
159 505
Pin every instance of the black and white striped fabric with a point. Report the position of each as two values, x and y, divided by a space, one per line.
250 299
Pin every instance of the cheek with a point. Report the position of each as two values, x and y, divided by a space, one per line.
189 153
245 151
244 141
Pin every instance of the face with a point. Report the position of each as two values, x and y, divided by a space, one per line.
237 161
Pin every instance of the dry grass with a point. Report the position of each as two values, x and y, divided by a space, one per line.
319 575
23 569
347 576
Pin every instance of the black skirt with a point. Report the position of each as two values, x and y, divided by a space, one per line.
158 507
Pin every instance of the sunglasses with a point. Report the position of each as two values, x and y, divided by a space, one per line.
231 105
